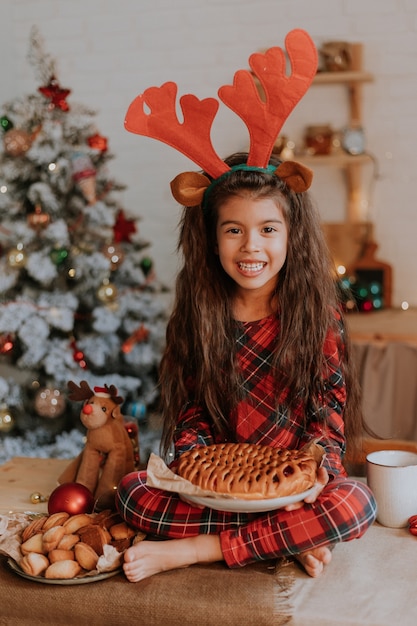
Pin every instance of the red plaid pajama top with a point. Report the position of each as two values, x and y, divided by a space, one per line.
344 509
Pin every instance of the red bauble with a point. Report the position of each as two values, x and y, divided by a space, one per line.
72 498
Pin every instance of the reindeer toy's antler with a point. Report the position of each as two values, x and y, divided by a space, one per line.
264 120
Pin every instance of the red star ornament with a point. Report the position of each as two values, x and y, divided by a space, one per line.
123 228
56 95
97 142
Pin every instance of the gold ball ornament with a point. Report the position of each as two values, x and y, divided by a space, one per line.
114 253
107 292
17 257
37 498
6 420
17 142
49 402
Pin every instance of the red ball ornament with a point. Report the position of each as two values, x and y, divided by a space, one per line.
72 498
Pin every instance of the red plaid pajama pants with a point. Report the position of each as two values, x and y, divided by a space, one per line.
343 511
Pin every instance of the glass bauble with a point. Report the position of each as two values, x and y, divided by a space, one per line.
6 419
49 402
72 498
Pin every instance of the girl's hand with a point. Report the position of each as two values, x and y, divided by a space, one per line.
322 480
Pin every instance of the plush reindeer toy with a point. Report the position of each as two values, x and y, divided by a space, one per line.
108 452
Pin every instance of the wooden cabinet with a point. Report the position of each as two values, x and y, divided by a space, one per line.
351 242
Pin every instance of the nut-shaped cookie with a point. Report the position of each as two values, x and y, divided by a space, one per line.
63 570
52 537
121 531
86 556
34 563
68 542
56 519
75 522
34 527
60 555
33 544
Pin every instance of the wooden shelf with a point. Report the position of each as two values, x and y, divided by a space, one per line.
391 325
338 160
352 80
337 78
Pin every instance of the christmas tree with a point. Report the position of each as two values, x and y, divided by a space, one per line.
78 295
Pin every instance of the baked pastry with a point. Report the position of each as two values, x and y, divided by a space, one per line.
34 563
121 531
34 527
68 541
52 537
60 555
55 519
248 471
86 556
95 536
63 569
97 542
75 522
33 544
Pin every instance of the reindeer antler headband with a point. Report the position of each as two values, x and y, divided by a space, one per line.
264 120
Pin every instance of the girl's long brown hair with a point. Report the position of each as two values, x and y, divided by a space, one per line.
198 364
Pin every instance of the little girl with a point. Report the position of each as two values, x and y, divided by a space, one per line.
256 352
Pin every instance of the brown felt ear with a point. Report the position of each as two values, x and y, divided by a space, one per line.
116 413
188 188
298 177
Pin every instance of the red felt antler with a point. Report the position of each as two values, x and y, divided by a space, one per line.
263 119
191 137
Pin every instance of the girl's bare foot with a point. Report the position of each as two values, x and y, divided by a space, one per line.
147 558
314 560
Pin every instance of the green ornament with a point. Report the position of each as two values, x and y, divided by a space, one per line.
146 265
5 123
58 255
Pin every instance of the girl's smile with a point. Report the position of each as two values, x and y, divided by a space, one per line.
251 268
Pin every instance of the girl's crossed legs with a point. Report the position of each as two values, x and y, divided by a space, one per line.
343 511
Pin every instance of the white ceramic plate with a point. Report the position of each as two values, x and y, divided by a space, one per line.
248 506
71 581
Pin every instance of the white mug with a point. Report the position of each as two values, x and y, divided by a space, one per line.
392 477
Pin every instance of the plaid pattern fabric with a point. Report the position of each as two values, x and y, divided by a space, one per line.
257 419
344 509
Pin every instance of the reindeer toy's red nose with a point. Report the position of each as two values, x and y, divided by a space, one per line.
87 409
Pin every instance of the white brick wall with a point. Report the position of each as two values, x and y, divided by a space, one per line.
109 51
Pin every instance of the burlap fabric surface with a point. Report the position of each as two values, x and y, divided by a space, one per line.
200 595
370 582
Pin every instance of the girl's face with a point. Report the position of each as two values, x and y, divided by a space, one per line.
252 239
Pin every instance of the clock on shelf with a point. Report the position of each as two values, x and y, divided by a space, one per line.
353 140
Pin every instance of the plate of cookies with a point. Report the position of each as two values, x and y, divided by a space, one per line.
64 549
249 478
77 580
